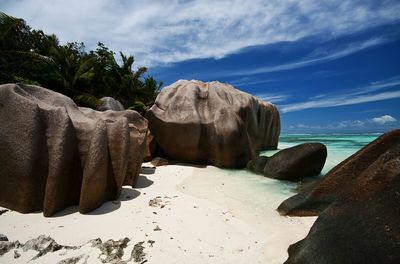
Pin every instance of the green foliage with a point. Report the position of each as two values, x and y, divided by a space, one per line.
31 56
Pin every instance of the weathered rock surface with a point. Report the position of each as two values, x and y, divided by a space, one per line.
359 206
212 123
151 149
293 163
54 154
3 237
342 179
110 251
361 229
109 103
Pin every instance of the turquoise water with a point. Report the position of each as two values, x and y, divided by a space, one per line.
252 188
339 146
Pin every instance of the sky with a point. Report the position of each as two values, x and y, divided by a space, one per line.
329 66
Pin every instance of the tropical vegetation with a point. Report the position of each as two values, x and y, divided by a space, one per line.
33 57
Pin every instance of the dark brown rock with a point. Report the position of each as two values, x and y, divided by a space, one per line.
340 181
212 123
362 224
297 162
257 164
54 154
134 131
293 163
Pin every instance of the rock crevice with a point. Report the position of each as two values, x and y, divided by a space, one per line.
54 154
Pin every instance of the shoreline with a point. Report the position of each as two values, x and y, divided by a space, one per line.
196 218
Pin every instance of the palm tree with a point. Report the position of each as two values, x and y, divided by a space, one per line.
146 94
7 24
130 90
71 68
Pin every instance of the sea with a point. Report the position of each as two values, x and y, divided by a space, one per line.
255 190
339 146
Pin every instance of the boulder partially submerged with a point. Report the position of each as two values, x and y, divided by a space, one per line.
54 154
212 123
358 203
293 163
343 179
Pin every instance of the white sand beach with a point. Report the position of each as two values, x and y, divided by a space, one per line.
202 215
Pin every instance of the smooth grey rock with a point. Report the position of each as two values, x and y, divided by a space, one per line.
109 103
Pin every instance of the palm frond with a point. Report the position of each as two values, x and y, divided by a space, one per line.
7 23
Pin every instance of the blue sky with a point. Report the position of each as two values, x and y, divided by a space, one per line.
329 66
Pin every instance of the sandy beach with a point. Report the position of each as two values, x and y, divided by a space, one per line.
183 214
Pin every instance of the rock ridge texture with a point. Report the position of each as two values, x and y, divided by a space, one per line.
54 154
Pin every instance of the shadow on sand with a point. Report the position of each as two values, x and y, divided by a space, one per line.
127 194
148 170
143 182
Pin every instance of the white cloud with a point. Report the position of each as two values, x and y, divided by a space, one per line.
384 119
247 81
273 98
350 124
332 55
356 96
170 31
340 101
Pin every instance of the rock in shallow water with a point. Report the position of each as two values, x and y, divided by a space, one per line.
293 163
54 154
342 179
359 206
212 123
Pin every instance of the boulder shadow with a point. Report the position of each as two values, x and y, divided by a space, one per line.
127 193
67 211
143 182
198 165
147 170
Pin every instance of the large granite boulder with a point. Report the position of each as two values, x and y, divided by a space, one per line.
212 123
54 154
343 178
293 163
109 103
361 208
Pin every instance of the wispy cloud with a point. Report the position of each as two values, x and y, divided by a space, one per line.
357 96
374 123
350 124
273 98
327 57
170 31
247 81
